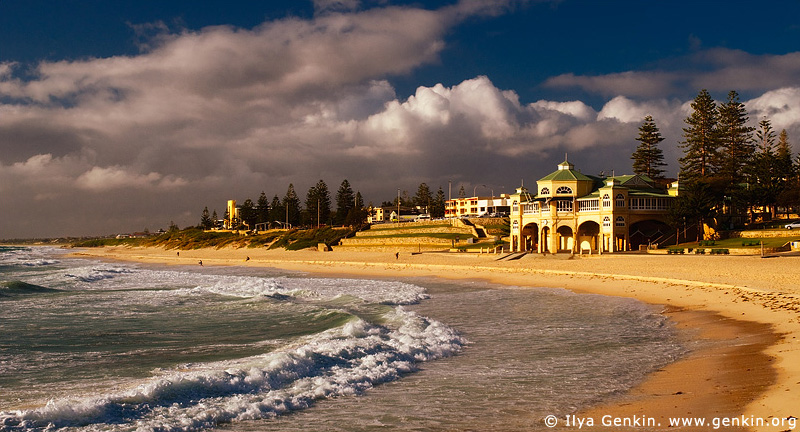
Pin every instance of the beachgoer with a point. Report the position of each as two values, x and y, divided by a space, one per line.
248 259
201 263
397 255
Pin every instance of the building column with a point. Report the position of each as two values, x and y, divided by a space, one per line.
540 233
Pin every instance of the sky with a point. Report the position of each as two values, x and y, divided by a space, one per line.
125 115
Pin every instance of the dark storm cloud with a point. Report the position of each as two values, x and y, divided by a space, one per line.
109 144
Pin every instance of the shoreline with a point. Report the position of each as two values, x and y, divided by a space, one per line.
746 363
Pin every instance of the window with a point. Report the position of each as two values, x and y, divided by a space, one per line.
606 201
620 199
589 205
563 206
650 204
515 207
564 190
606 222
530 208
545 191
620 222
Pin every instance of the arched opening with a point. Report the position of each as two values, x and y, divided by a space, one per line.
530 237
648 232
588 236
545 240
566 242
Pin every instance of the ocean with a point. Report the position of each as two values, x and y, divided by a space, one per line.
87 345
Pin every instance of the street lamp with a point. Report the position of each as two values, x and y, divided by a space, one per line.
474 194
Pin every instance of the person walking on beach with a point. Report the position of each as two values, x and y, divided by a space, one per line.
201 263
397 255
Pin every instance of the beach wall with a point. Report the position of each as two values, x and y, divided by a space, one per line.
763 233
432 230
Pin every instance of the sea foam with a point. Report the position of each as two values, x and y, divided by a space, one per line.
346 360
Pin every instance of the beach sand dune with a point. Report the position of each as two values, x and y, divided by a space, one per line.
741 313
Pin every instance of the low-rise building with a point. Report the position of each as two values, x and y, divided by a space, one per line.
477 206
389 214
572 212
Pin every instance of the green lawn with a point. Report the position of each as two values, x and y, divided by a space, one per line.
380 227
449 236
736 243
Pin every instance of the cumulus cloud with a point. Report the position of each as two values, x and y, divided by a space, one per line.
716 69
99 179
781 106
325 6
203 116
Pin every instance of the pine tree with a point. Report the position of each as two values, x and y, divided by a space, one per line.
318 204
789 194
359 201
764 189
205 220
736 141
765 137
277 212
214 219
701 140
695 206
262 208
291 205
648 158
423 197
345 201
783 156
358 214
248 214
437 210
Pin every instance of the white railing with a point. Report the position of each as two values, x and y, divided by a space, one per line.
589 205
530 208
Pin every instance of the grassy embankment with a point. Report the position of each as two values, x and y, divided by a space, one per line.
296 239
194 238
738 243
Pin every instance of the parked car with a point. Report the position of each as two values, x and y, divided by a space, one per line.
792 225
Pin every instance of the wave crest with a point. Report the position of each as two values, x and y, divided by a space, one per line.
346 360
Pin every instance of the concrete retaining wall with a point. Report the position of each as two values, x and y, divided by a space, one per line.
397 241
441 229
764 233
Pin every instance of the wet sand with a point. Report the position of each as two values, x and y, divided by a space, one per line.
741 315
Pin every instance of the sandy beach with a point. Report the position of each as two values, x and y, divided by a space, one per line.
741 314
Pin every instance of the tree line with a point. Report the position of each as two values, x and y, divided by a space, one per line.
424 199
730 171
288 212
317 208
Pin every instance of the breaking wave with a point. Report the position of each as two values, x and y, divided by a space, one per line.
346 360
17 288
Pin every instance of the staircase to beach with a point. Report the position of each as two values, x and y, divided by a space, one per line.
417 236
